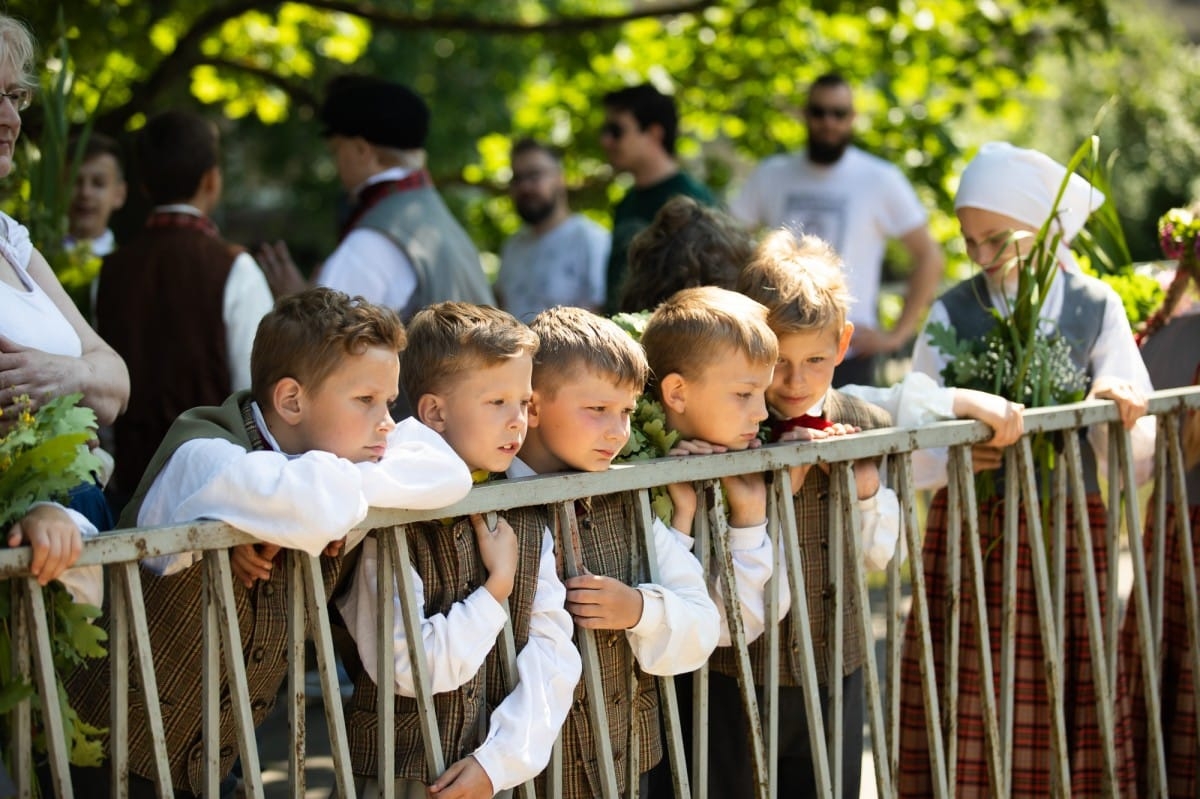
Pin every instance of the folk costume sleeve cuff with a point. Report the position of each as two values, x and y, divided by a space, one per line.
418 471
881 528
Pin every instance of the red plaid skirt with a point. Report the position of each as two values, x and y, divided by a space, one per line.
1178 692
1031 710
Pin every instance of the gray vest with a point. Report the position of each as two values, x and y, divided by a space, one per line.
1169 359
969 307
445 260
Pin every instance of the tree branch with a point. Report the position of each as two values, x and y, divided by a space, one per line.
297 92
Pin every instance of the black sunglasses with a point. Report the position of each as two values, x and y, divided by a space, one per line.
613 129
822 111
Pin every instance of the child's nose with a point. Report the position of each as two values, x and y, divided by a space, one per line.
760 409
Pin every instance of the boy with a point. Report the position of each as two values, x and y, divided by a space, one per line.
296 461
177 302
586 380
99 192
467 373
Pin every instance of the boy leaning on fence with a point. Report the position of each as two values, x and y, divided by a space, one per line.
587 376
296 462
467 373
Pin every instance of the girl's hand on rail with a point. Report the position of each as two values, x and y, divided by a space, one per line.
1131 403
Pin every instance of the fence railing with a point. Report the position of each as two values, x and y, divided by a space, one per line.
120 552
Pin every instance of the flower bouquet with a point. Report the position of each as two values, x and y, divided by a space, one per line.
1179 238
43 455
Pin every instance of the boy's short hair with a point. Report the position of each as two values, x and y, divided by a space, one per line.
649 107
173 152
448 339
800 279
306 335
687 244
697 326
572 340
98 144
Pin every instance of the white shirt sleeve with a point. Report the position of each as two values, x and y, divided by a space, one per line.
246 301
680 624
368 264
747 204
599 243
881 528
523 728
456 643
916 400
929 465
752 567
902 209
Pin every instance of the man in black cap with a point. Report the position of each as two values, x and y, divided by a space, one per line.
400 246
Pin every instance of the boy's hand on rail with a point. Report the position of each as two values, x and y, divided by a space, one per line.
334 547
696 446
603 603
54 538
1003 416
747 494
465 779
1131 403
866 478
498 551
250 562
683 503
985 458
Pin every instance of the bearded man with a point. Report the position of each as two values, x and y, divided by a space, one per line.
556 258
856 202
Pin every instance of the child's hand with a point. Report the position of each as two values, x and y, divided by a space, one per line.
334 547
1003 416
683 503
866 478
54 537
603 603
696 447
1130 402
747 495
250 562
985 458
465 779
498 550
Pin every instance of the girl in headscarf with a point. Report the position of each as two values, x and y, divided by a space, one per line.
1005 195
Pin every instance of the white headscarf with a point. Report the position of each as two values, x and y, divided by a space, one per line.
1022 184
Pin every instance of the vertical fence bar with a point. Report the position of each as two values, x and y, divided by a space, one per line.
211 682
953 623
118 697
1112 544
1051 658
1105 700
130 583
1140 598
1008 604
1059 583
835 624
1162 481
297 720
47 684
702 546
632 681
568 529
386 542
22 729
666 685
770 691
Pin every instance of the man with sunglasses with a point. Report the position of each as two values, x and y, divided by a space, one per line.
638 137
857 202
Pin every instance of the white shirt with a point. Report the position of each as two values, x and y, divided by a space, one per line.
1115 355
368 264
523 728
564 266
302 502
856 204
29 317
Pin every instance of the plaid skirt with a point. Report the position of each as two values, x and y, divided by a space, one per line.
1177 689
1031 709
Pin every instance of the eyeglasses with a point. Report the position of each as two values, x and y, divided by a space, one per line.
822 111
20 98
532 176
613 129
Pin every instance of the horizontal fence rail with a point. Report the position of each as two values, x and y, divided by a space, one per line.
968 615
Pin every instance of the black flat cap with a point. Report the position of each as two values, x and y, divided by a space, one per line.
382 112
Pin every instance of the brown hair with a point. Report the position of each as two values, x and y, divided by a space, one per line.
800 279
448 339
686 245
306 335
574 340
698 326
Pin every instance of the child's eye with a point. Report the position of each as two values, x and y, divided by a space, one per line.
366 400
745 394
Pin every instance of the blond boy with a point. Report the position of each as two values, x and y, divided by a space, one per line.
467 371
587 377
296 462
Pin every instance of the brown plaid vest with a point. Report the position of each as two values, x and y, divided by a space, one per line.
447 558
606 530
175 616
812 526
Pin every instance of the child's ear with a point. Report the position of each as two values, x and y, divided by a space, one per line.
535 401
288 399
674 392
431 412
844 341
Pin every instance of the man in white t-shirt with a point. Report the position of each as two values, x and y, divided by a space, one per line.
556 258
856 202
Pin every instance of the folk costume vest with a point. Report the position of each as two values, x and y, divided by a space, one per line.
174 613
812 506
606 533
447 558
969 307
444 258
